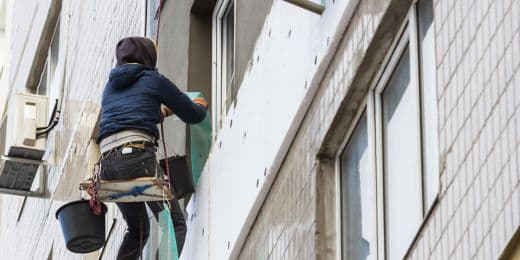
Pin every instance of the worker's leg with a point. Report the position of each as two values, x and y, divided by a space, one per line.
179 223
137 231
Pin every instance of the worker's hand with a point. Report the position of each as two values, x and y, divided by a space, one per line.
201 101
165 112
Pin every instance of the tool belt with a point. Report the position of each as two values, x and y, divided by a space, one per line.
124 137
128 155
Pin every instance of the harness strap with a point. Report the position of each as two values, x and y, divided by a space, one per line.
95 202
166 163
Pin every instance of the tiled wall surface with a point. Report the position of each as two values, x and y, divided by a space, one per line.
478 84
93 27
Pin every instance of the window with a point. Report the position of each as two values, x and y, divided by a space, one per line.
224 58
429 99
401 158
49 70
403 171
151 20
228 41
358 196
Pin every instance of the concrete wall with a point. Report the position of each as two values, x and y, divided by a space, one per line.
173 62
250 17
200 54
89 32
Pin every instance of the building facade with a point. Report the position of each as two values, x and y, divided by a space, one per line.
341 129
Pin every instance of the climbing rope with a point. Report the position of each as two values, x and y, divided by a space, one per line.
158 17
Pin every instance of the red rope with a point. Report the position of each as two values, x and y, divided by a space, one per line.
158 17
166 163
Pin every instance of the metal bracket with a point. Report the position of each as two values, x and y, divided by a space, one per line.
308 5
41 172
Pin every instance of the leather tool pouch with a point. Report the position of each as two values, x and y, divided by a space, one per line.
181 177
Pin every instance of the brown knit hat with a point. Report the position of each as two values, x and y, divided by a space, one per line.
136 49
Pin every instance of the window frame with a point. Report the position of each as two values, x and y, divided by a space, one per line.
150 23
219 73
406 37
50 69
405 41
367 107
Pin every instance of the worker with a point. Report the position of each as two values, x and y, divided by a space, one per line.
135 99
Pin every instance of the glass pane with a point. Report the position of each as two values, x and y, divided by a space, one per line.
229 24
54 52
401 160
151 22
429 101
358 197
42 86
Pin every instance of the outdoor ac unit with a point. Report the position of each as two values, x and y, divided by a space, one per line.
23 154
25 114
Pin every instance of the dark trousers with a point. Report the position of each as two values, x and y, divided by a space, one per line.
138 229
139 163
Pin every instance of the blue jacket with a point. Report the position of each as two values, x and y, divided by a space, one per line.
132 98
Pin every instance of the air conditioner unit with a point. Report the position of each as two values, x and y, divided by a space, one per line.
22 158
26 113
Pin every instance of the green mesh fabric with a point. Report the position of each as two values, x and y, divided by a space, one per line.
200 140
167 242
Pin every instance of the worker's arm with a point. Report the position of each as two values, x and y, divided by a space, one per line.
174 100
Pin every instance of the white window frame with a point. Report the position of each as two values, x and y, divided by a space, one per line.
150 24
406 41
219 87
407 36
53 75
368 107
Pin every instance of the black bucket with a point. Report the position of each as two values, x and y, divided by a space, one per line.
83 231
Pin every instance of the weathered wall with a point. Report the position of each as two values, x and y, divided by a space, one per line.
298 219
173 62
89 30
199 73
29 31
5 13
477 49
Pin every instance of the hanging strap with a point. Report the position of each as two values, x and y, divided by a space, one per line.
166 163
95 202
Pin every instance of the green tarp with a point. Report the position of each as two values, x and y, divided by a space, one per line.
200 141
167 242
